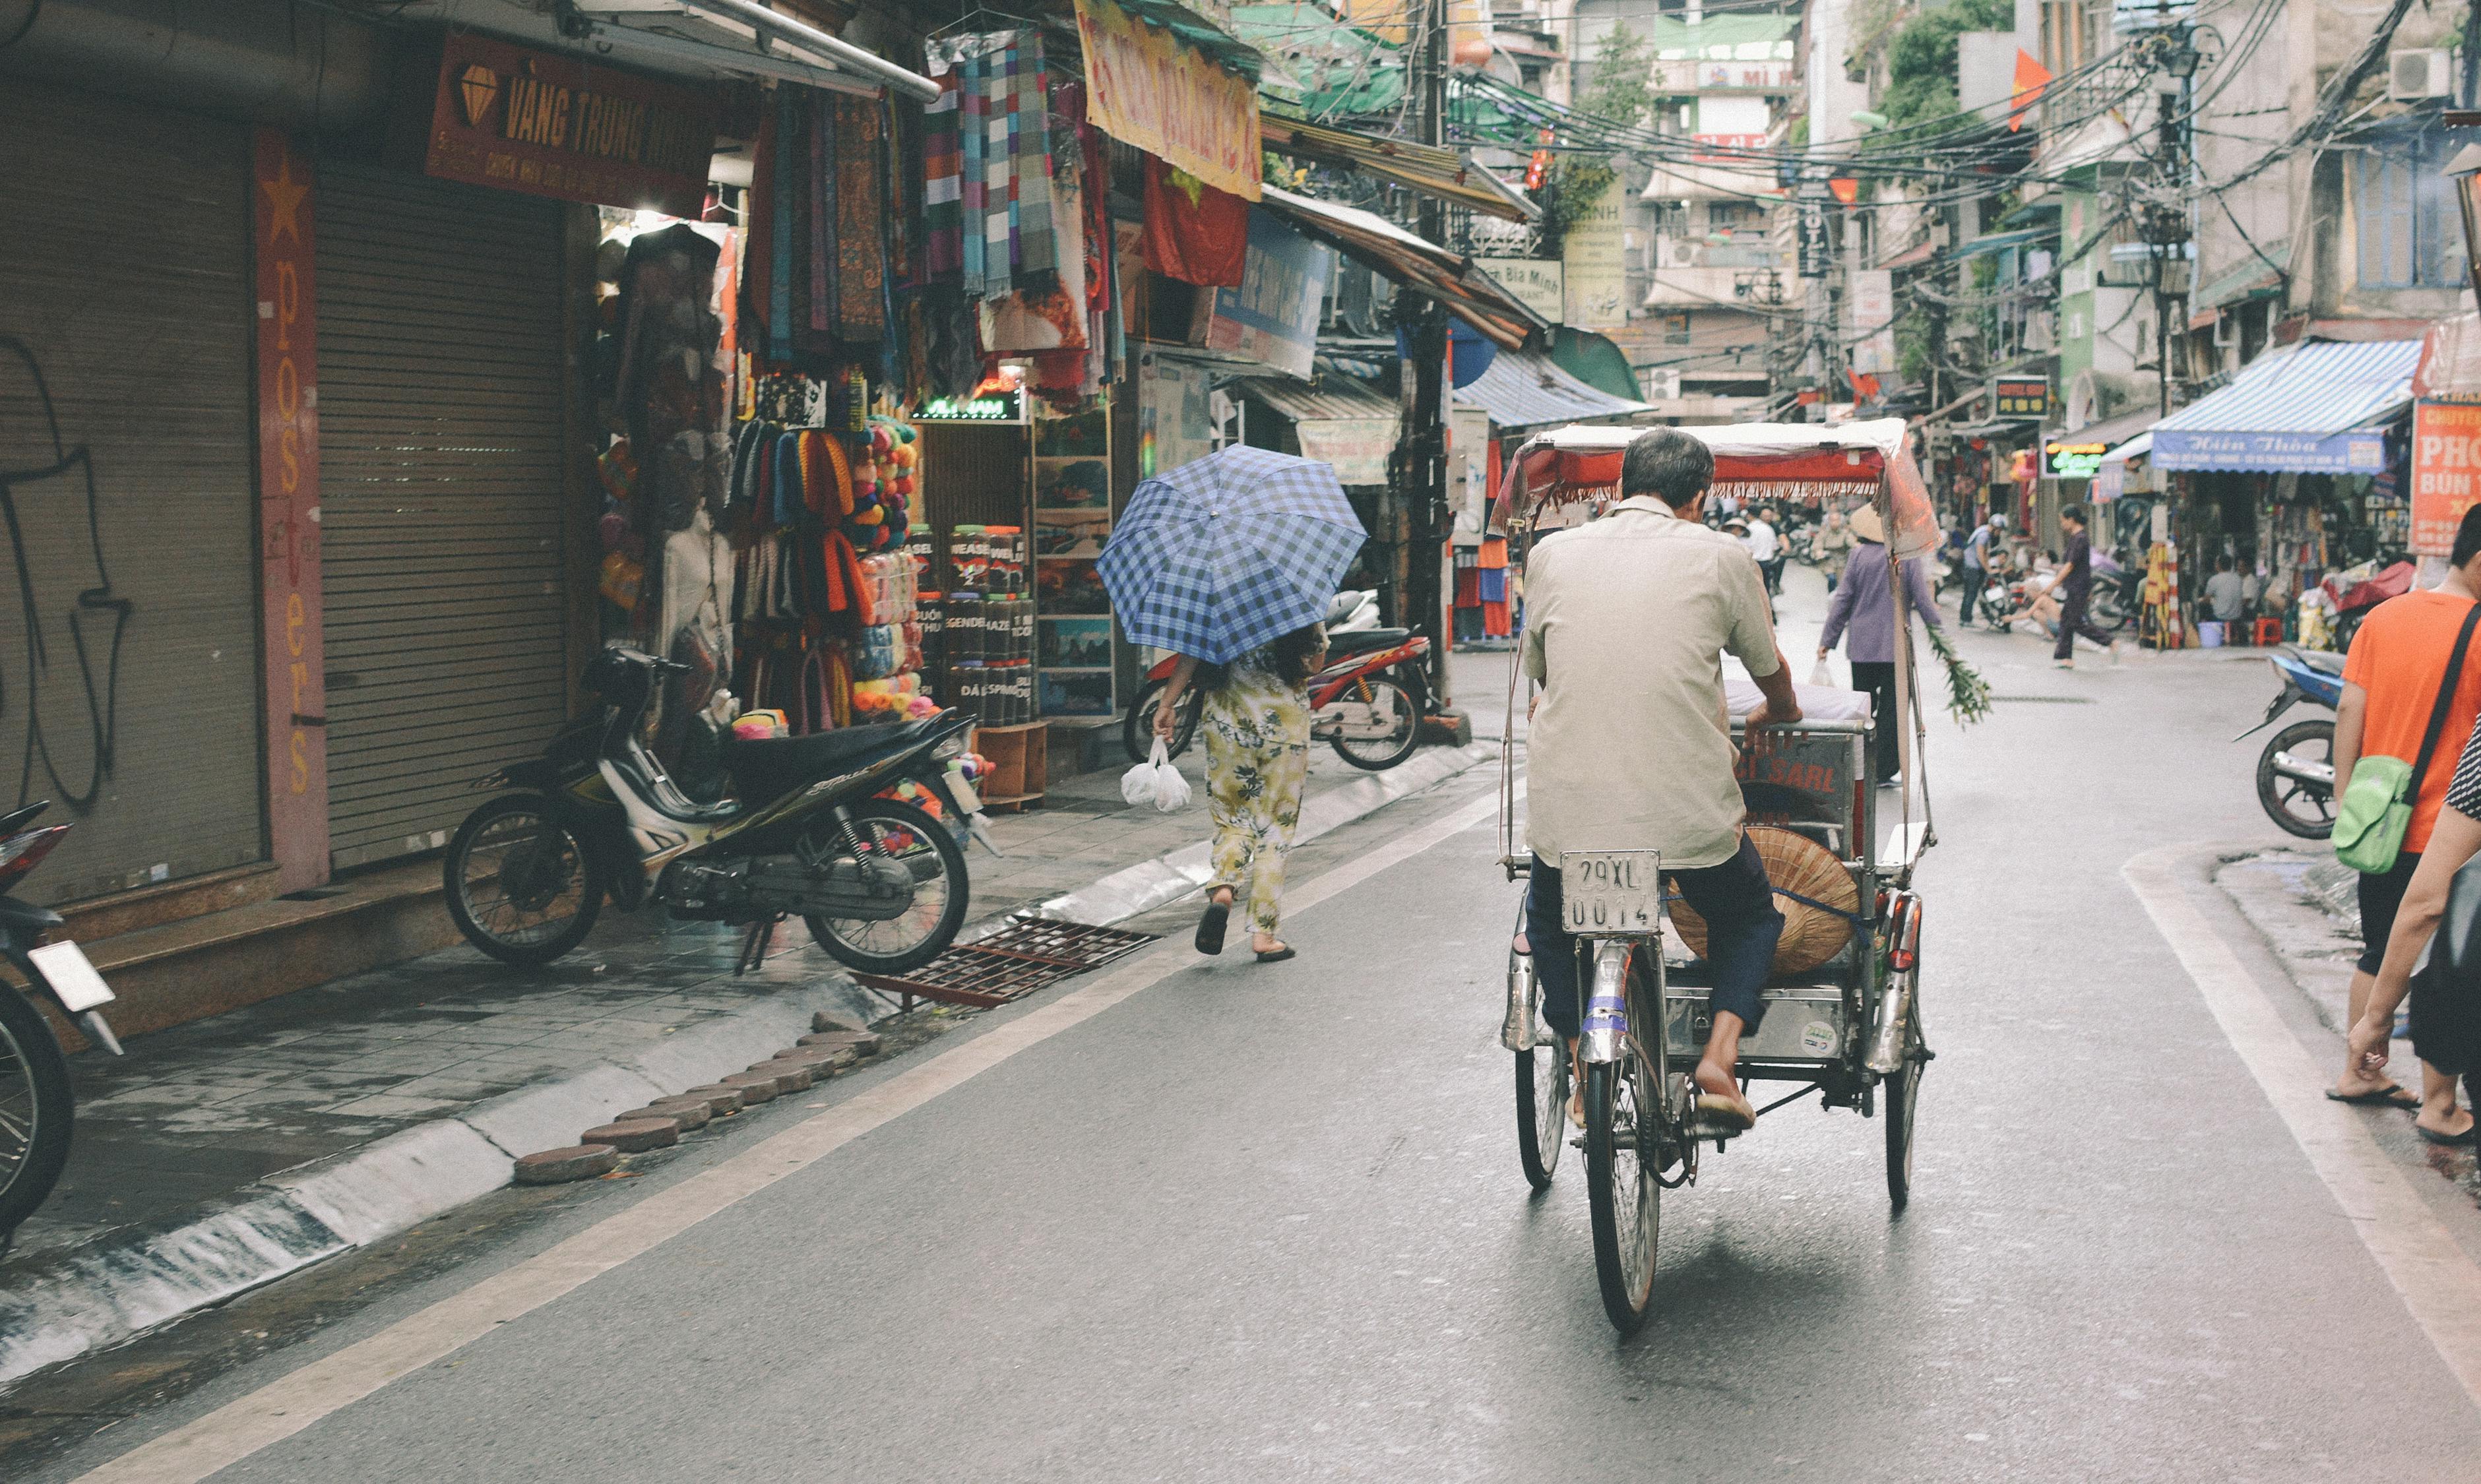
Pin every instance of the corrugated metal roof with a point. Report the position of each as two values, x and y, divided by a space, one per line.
1524 389
1334 399
2319 387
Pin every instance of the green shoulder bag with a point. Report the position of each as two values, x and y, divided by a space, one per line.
2375 810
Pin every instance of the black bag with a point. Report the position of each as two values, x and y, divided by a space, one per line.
2446 992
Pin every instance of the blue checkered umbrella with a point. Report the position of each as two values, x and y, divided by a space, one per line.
1219 556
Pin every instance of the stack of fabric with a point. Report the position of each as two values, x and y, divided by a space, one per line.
1494 587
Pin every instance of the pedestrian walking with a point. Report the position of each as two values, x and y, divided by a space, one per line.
1765 544
1229 561
1832 546
2401 685
2075 591
1257 723
1861 613
1976 565
1625 619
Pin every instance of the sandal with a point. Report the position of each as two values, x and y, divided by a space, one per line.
2391 1095
1277 955
1210 927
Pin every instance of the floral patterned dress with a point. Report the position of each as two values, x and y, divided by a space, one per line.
1257 755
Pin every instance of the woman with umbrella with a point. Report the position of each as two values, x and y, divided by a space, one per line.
1229 563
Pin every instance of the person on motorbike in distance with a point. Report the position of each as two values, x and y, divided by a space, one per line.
1630 748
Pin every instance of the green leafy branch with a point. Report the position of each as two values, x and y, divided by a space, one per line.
1968 694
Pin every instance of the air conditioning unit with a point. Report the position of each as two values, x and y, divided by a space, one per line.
1661 383
1678 252
2426 72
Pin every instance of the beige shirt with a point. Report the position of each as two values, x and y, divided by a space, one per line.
1624 622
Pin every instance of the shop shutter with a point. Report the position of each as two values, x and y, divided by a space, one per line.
439 442
128 286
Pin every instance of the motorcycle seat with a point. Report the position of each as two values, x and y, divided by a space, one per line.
766 769
2320 659
1361 641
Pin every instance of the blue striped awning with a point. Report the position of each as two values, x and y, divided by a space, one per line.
2317 408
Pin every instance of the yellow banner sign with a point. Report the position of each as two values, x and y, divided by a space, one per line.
1146 87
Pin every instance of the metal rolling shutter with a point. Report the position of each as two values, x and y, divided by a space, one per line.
129 287
439 446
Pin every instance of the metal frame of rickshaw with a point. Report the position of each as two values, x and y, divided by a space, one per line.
1873 978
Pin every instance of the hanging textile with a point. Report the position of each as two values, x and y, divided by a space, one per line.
860 201
669 389
1007 235
1194 232
1050 317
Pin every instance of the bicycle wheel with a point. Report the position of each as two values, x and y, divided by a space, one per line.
521 886
1625 1200
1378 754
897 831
1902 1091
1542 1107
2296 805
35 1109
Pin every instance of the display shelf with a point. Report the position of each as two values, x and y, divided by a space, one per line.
1020 764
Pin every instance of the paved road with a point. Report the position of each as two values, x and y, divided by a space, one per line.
1222 1222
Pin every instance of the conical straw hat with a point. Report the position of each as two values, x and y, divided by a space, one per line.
1794 863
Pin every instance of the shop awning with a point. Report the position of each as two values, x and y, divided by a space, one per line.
1523 390
1432 169
1338 421
1672 181
2450 358
2316 407
1996 241
2137 447
1424 267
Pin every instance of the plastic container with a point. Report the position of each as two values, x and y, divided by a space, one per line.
2210 634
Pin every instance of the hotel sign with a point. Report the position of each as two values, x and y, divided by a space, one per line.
546 125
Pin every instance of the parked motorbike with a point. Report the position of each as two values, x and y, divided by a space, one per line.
1368 702
1353 611
2355 590
2118 593
2295 772
36 1105
806 833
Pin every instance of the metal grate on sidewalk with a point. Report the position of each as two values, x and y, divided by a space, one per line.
1030 953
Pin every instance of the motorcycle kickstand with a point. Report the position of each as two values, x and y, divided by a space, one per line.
755 942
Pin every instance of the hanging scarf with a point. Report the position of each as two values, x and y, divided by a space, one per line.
943 182
861 210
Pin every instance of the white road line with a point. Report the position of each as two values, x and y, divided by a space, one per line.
283 1408
2437 1282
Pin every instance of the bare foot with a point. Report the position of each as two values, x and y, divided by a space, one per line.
1265 943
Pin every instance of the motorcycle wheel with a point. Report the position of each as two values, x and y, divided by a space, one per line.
2108 612
522 886
2296 807
1137 727
35 1110
923 933
1378 754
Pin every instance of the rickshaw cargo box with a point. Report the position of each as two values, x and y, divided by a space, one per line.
1802 1022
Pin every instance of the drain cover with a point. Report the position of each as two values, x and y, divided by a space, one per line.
1030 953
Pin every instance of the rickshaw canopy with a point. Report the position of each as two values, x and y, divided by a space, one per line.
1576 469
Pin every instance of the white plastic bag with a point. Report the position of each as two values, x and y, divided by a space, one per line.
1822 674
1155 781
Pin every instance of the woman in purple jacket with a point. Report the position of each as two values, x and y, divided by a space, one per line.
1863 614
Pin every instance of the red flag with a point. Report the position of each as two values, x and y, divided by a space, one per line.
1864 384
1847 191
2031 77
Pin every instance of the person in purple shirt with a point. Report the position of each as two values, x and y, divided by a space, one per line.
1863 614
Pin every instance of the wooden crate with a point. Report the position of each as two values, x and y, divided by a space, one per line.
1020 764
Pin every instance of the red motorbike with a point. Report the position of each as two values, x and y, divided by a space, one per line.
2355 590
1368 702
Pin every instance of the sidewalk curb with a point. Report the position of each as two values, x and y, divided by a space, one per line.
92 1298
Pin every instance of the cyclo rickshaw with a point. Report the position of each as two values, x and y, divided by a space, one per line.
1842 1013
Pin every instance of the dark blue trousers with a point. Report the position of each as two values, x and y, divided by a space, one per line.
1742 925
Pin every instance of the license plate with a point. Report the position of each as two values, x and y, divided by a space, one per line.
1611 890
65 967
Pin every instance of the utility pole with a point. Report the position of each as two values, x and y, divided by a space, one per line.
1424 465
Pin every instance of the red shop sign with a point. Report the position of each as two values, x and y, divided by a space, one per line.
530 122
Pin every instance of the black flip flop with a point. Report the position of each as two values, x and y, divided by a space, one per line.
2392 1095
1277 955
2460 1140
1210 927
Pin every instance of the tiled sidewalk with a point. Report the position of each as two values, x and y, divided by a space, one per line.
206 1108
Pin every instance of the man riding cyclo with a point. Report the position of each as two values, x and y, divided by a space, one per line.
1630 746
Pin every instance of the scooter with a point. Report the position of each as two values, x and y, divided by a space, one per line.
36 1102
2118 593
2295 772
2355 590
1368 702
811 830
1352 611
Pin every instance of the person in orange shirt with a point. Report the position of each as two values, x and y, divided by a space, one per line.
2392 682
